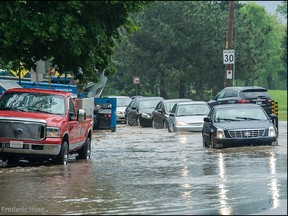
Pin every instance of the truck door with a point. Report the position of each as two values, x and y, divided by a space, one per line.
74 127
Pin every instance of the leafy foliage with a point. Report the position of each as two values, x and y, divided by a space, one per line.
72 34
178 51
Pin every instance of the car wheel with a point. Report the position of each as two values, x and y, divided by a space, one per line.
62 158
212 143
85 151
138 121
164 124
153 123
169 129
204 142
174 129
127 121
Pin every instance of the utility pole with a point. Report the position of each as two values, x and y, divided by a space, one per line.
229 39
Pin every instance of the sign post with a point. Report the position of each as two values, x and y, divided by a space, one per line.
136 82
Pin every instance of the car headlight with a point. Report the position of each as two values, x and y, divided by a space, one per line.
220 134
271 131
145 115
119 113
52 132
180 123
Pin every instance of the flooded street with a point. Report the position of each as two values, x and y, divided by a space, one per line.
150 171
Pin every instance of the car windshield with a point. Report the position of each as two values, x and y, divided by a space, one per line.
33 102
123 102
169 106
192 110
240 114
255 94
148 104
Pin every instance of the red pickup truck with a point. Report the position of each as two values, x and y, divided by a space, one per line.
38 125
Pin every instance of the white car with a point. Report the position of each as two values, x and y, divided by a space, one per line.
188 116
121 103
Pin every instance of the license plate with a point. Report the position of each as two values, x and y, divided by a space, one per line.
259 102
16 144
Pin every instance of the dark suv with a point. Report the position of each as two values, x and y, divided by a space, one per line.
244 94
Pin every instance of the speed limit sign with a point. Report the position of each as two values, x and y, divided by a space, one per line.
228 56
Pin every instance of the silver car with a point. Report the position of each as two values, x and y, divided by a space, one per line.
121 103
188 116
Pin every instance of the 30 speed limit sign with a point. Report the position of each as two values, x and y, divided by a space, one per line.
228 56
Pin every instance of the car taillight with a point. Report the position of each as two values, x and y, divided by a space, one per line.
107 115
243 101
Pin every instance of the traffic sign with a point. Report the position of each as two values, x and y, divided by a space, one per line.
136 80
228 56
229 74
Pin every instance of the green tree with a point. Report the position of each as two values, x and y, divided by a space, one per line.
167 50
73 34
178 50
258 47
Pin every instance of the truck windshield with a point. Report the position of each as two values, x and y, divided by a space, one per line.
33 102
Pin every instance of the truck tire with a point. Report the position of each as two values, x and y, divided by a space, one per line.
85 151
62 158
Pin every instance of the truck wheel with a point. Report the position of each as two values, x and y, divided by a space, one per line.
62 158
85 151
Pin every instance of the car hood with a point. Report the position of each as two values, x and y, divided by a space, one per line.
236 125
148 111
50 119
191 119
120 109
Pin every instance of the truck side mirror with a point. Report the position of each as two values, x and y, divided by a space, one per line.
81 115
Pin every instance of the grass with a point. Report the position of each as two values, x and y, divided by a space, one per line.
280 96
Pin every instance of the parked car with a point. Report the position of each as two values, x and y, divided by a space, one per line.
121 103
238 125
244 94
188 116
139 111
161 112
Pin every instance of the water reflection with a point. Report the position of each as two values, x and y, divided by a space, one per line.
273 187
140 172
225 209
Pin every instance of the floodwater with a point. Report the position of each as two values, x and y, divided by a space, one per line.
145 171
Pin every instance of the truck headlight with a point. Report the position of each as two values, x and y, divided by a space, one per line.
220 134
271 131
52 132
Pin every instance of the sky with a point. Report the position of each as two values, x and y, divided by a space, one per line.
270 6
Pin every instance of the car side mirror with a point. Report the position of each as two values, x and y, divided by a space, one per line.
273 116
172 114
207 119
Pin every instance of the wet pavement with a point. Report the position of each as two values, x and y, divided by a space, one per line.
150 171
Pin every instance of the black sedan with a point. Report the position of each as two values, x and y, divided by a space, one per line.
237 125
138 112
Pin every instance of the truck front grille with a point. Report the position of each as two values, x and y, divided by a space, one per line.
22 130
